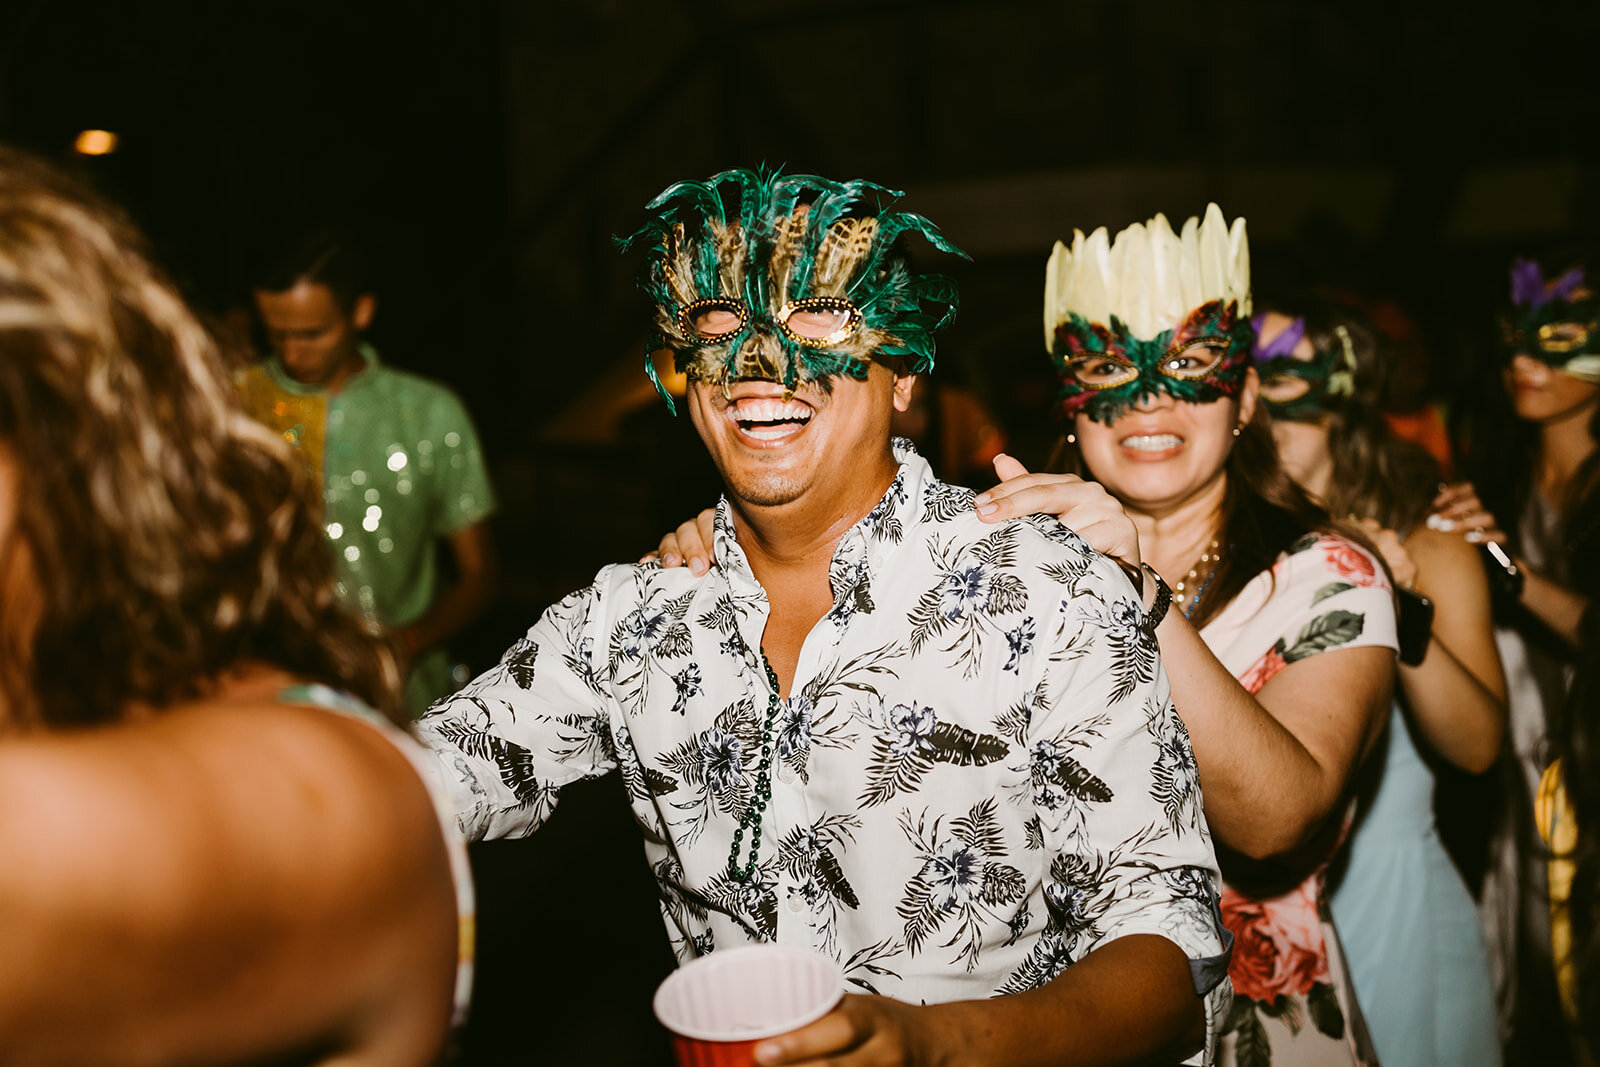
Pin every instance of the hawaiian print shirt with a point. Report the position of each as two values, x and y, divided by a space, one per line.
978 776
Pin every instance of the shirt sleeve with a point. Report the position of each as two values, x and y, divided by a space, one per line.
462 493
540 719
1328 593
1118 794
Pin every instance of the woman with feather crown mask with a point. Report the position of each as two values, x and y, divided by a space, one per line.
1282 651
1280 639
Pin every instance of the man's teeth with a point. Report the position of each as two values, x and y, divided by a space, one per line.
768 410
1151 442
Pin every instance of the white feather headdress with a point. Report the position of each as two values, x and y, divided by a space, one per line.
1149 277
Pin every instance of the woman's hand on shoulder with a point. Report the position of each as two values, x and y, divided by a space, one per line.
689 545
1457 508
1393 550
1085 507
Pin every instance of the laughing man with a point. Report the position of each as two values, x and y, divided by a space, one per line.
938 750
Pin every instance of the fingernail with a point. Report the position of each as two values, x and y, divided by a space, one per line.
670 559
697 566
981 499
1476 536
766 1053
1439 522
988 509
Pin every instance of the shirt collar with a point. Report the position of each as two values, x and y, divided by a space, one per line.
861 551
280 377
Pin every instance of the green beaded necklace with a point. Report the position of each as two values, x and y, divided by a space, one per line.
751 819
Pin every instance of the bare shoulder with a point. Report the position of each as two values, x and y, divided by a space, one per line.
296 838
1445 562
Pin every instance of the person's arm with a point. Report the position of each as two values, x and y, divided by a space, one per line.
1129 1001
1457 509
1557 607
1273 763
531 724
477 568
1457 694
222 884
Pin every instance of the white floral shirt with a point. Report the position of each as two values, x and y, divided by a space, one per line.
978 776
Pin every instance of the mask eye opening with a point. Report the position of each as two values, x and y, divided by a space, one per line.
691 312
1563 337
1213 349
1084 364
851 324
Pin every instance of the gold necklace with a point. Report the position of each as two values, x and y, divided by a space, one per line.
1208 559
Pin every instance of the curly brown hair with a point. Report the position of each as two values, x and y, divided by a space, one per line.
171 537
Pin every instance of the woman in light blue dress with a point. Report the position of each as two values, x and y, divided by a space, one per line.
1408 927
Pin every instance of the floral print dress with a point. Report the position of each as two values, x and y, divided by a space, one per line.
1294 1003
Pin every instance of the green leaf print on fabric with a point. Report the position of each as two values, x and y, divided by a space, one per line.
1331 589
1286 1008
1241 1007
1324 632
1251 1047
1326 1015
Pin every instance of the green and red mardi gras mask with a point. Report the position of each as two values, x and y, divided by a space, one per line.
1556 321
1300 390
788 278
1106 370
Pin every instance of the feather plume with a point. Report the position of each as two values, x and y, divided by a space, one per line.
764 238
1149 277
848 242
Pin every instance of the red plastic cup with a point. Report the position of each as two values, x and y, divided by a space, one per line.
719 1007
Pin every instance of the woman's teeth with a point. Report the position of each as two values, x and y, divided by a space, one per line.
1151 442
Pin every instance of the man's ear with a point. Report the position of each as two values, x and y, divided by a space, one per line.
903 384
365 308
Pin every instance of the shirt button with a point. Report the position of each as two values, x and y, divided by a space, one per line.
797 903
785 774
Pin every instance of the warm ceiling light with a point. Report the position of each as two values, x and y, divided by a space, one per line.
96 143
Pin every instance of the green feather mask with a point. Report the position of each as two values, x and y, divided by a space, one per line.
787 278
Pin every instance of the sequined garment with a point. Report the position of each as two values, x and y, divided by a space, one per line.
400 467
978 775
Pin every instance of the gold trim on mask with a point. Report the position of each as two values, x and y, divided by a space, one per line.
1218 343
851 326
687 313
1577 336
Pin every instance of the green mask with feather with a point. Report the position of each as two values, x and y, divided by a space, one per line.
788 278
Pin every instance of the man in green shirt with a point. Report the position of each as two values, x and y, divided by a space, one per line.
397 456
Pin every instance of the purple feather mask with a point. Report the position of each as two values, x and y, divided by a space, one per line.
1556 322
1530 290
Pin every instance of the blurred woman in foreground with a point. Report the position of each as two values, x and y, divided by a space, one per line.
215 852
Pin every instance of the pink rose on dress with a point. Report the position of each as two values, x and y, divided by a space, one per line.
1352 564
1257 674
1278 946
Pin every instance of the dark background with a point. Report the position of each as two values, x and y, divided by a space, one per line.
488 152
